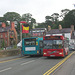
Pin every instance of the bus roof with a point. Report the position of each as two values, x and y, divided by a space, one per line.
53 37
32 37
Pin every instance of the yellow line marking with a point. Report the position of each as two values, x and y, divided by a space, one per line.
12 59
57 65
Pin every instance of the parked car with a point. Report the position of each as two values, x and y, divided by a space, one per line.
72 48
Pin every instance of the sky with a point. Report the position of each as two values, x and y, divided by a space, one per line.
38 8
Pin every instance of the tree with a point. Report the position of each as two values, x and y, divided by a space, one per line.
27 17
3 43
41 25
32 22
64 12
55 17
48 21
48 18
69 19
1 19
12 16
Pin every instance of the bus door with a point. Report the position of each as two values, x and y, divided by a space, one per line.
41 45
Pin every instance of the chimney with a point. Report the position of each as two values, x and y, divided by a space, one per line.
72 27
60 27
3 25
49 28
12 25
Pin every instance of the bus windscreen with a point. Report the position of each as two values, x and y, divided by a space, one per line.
30 42
53 44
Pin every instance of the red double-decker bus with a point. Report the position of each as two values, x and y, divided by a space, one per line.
55 46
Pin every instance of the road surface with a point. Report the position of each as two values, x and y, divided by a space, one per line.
29 65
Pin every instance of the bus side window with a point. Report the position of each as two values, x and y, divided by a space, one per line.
41 44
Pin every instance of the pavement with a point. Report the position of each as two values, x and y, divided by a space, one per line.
67 68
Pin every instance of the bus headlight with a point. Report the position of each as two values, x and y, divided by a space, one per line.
44 53
60 53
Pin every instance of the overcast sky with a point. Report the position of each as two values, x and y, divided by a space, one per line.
38 8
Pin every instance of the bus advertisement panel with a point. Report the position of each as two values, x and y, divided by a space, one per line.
31 46
55 46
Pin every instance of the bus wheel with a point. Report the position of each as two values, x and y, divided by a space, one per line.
40 52
31 55
48 57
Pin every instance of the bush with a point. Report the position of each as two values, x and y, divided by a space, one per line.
15 46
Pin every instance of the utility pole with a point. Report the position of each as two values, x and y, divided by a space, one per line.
20 31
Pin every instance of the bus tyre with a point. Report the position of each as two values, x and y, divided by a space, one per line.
48 57
31 55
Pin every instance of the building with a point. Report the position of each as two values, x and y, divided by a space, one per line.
38 32
8 35
73 37
67 32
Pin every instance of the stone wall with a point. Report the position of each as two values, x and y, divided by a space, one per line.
5 53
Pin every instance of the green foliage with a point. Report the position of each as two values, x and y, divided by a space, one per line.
27 17
24 35
69 19
15 46
31 23
3 44
55 17
52 20
64 12
2 19
12 16
61 23
48 18
41 25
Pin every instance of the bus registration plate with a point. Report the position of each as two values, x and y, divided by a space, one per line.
52 55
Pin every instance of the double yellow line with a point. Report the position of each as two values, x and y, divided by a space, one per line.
57 65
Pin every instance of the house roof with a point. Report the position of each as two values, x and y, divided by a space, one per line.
57 31
5 29
39 29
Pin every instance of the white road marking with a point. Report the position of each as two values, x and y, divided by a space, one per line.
27 62
5 69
